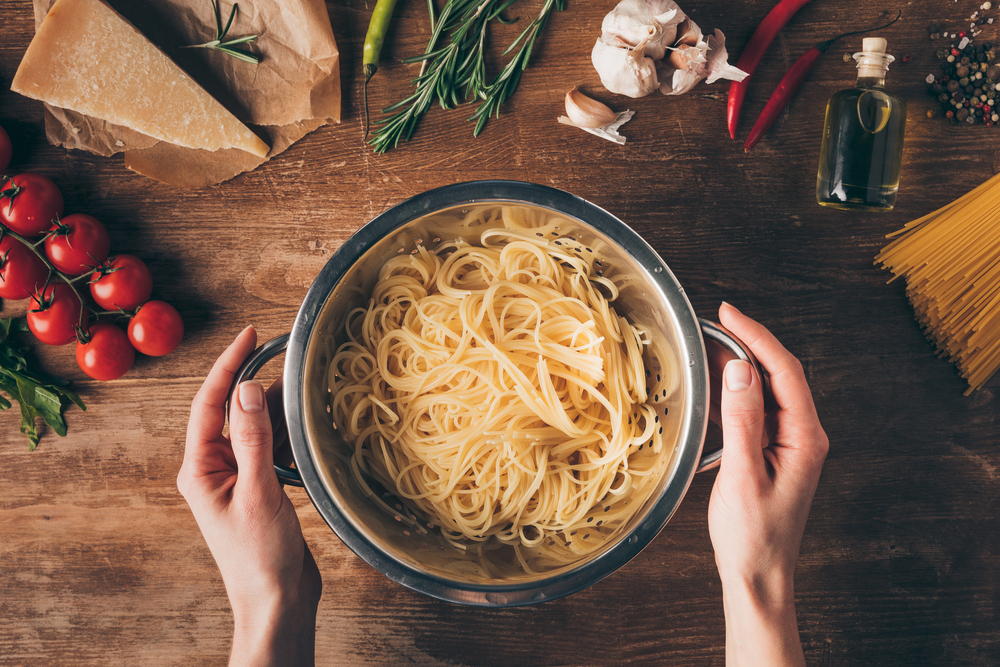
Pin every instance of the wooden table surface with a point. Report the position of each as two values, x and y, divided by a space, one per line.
101 562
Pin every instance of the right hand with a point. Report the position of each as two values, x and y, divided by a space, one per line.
761 497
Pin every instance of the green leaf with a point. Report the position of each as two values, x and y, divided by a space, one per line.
49 406
38 394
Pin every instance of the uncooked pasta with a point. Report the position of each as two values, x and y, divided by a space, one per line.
493 389
951 262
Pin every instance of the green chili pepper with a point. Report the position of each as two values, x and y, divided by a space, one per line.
378 26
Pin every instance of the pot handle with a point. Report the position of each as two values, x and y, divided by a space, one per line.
248 370
734 348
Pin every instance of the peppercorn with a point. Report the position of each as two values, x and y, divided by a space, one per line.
955 52
937 88
964 81
962 34
989 123
931 113
953 86
968 89
993 73
950 59
961 114
949 113
958 96
965 60
977 92
961 71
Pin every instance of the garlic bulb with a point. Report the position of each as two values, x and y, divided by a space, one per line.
624 71
636 36
586 112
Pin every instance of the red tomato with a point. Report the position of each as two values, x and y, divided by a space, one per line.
21 271
77 244
156 329
108 355
6 150
121 282
53 318
29 203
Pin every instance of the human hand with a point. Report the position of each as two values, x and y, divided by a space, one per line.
248 522
761 497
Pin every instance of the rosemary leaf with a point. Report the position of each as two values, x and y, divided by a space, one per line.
220 34
454 73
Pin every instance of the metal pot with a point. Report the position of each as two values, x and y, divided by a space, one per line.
651 298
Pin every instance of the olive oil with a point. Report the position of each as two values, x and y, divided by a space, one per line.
862 151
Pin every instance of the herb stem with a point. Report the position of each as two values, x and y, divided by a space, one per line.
455 74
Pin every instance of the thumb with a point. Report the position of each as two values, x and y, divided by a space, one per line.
742 418
250 434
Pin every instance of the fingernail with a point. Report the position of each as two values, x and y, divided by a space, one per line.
252 396
248 328
729 305
738 375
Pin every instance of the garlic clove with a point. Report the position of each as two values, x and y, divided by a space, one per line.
586 112
688 33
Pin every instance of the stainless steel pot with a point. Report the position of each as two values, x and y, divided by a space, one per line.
389 541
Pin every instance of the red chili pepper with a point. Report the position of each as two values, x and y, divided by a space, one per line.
782 94
792 80
754 52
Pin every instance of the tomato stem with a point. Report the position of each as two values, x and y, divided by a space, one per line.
4 229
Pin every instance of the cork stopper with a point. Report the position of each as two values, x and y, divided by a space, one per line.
873 45
873 61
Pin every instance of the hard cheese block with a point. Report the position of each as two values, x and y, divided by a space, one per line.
88 58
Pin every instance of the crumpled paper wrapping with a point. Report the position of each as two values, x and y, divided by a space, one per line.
294 90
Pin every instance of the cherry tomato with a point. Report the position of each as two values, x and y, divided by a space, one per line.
156 329
29 203
77 243
54 315
21 271
6 150
107 355
121 282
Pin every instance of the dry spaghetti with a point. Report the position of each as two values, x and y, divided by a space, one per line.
951 262
494 390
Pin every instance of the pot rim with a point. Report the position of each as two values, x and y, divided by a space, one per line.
690 439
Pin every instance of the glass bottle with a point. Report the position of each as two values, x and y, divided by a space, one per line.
862 147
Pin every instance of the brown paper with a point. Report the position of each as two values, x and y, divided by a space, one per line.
294 90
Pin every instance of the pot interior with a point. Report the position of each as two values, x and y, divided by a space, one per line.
649 298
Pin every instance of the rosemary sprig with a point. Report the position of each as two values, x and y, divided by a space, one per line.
455 73
220 34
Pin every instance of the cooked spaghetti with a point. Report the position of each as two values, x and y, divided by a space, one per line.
951 261
493 389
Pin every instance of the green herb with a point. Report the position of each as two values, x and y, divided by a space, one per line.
38 394
220 34
456 72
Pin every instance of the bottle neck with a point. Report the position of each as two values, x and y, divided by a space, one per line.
868 81
872 67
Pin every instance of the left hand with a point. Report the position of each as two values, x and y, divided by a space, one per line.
248 522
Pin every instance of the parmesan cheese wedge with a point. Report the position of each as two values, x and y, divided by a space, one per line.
88 58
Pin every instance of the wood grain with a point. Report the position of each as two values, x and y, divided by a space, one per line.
101 562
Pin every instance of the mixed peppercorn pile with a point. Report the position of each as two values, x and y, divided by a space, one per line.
967 85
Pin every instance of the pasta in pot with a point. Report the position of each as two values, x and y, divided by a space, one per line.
495 392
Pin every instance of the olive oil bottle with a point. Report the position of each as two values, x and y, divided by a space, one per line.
862 149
